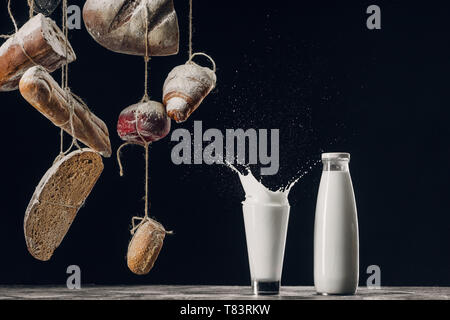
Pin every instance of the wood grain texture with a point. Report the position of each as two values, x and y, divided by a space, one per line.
212 293
39 88
43 42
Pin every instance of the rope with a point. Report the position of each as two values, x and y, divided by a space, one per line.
146 144
190 29
134 226
146 96
205 55
192 55
118 156
22 46
69 94
146 60
146 217
146 182
65 67
144 99
7 36
144 220
64 73
31 8
147 203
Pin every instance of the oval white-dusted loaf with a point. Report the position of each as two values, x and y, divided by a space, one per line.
145 246
57 199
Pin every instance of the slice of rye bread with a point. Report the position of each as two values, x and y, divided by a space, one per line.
57 199
145 246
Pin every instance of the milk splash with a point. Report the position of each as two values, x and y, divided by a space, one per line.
257 193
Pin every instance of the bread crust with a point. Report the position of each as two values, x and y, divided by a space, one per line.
43 42
57 199
145 247
39 88
121 25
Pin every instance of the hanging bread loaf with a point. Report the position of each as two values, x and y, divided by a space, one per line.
185 88
145 246
40 42
42 92
121 25
57 199
144 120
45 6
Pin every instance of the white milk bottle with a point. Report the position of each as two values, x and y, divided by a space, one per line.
336 257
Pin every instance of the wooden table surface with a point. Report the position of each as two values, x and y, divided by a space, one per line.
153 292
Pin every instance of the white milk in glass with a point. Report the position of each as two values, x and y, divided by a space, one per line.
266 216
265 231
336 257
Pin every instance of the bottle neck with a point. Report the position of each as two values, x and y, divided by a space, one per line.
335 165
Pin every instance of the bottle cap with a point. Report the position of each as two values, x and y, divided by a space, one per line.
336 156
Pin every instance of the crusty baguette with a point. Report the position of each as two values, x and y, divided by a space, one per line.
145 246
121 25
39 88
57 199
42 41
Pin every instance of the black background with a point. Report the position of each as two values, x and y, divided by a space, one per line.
310 68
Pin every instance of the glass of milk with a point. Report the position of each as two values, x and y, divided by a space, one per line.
336 249
265 231
266 216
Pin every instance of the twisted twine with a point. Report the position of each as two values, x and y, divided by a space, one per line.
192 55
